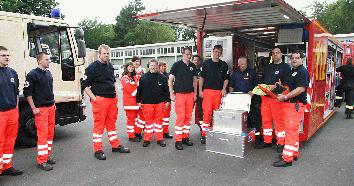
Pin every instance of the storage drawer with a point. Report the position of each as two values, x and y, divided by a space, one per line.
230 121
229 144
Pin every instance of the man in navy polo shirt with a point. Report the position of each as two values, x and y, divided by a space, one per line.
243 79
293 108
8 113
213 81
183 88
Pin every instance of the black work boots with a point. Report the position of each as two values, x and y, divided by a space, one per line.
187 142
282 163
203 140
45 166
178 145
167 136
100 155
121 149
162 143
51 161
11 172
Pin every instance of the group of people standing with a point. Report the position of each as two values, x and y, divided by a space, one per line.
147 98
151 95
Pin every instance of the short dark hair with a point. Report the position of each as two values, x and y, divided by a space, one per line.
40 55
217 47
152 61
186 48
3 48
136 58
302 55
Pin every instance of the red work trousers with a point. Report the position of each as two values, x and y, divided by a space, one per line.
292 120
45 123
105 112
271 111
140 122
166 119
131 119
184 107
8 134
211 102
153 114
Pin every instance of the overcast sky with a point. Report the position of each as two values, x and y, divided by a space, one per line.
106 10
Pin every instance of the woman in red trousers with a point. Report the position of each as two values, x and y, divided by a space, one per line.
129 84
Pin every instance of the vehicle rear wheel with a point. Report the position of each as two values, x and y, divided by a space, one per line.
27 129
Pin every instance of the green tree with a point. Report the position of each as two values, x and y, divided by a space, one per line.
148 32
337 17
35 7
126 21
183 33
97 33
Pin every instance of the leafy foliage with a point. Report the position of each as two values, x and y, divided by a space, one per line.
337 16
35 7
149 32
97 33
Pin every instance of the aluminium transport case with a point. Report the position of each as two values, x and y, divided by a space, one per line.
230 121
231 144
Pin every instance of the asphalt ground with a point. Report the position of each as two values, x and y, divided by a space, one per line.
327 159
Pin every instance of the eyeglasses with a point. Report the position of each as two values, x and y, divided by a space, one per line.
5 55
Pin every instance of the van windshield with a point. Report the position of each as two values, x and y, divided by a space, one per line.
55 42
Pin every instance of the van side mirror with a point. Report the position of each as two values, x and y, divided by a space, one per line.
81 45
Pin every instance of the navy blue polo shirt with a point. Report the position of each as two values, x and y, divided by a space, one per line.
39 85
184 75
298 77
272 73
8 88
214 74
100 77
243 81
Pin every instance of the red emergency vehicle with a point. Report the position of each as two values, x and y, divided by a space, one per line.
257 26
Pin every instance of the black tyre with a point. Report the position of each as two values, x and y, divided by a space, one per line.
27 132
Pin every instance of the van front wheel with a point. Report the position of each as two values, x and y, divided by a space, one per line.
27 129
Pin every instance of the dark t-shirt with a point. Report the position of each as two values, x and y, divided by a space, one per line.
184 75
214 74
274 72
298 77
